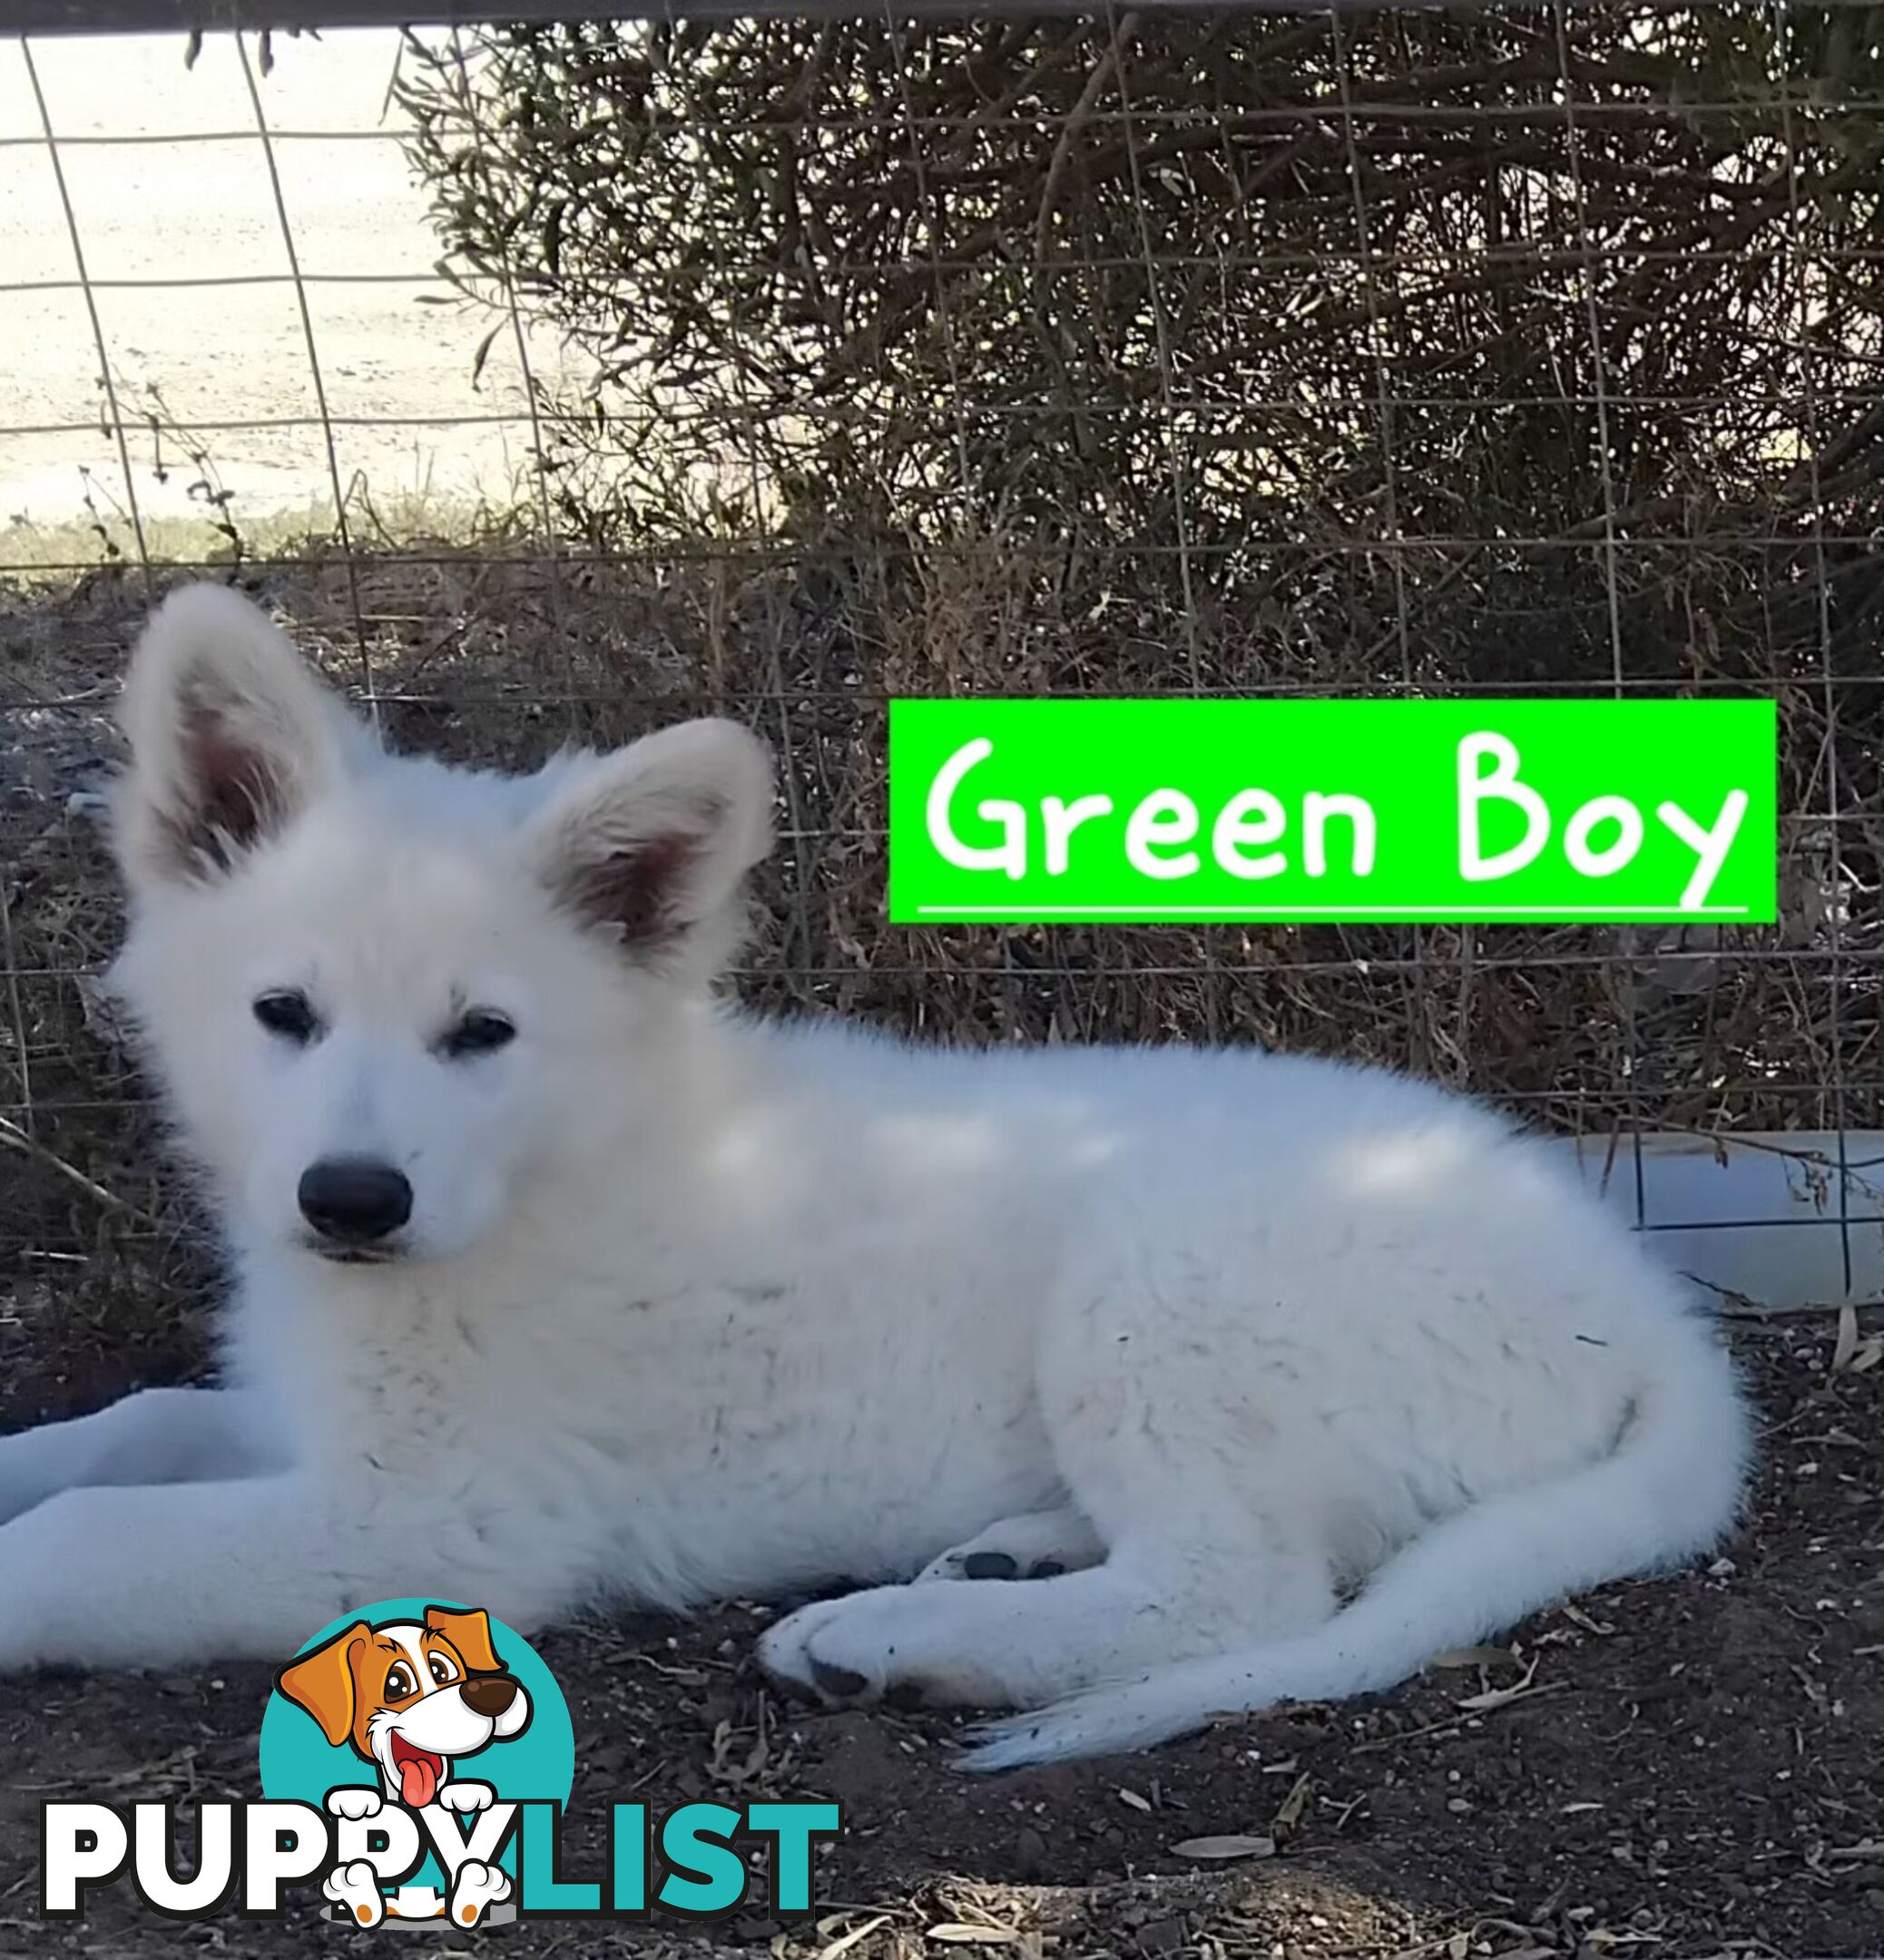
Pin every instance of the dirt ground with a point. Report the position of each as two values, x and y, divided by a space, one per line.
1690 1766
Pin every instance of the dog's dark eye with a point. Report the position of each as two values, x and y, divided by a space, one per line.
481 1030
399 1683
442 1670
285 1012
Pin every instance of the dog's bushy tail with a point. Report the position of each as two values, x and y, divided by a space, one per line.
1669 1490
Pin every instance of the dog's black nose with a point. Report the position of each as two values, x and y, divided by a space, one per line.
354 1201
489 1694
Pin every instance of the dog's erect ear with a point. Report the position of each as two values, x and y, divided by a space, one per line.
649 844
231 735
470 1633
322 1682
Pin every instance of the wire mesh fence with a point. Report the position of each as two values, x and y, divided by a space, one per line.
1522 350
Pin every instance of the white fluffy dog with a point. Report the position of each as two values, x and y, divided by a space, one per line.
558 1283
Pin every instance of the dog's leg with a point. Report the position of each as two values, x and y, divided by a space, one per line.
476 1887
357 1888
165 1575
1041 1545
1196 1473
1018 1646
158 1435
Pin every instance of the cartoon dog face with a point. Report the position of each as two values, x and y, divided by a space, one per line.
410 1696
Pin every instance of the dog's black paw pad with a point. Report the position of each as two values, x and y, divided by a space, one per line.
906 1695
1048 1568
843 1682
989 1565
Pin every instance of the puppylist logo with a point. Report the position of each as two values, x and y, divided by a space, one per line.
416 1761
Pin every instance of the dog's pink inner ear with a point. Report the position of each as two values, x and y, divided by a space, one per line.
643 889
230 795
636 890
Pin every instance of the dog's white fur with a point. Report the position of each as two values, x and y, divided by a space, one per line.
693 1307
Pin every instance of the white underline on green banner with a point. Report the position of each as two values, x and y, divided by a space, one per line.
1025 915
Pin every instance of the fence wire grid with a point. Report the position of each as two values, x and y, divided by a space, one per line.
1531 349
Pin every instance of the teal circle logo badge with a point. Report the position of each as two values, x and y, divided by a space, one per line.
418 1727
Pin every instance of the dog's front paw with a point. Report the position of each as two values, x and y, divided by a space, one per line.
476 1886
37 1613
1041 1544
355 1887
33 1469
889 1645
355 1804
467 1796
19 1492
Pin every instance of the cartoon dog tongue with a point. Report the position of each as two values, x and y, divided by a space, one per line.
419 1778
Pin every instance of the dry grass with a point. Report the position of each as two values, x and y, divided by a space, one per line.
489 651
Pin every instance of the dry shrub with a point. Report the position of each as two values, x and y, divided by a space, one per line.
506 657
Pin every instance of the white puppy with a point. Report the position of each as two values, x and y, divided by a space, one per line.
557 1282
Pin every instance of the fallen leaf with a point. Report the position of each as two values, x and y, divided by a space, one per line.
1846 1346
1229 1847
856 1936
1289 1812
1469 1657
1498 1697
956 1933
1134 1800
